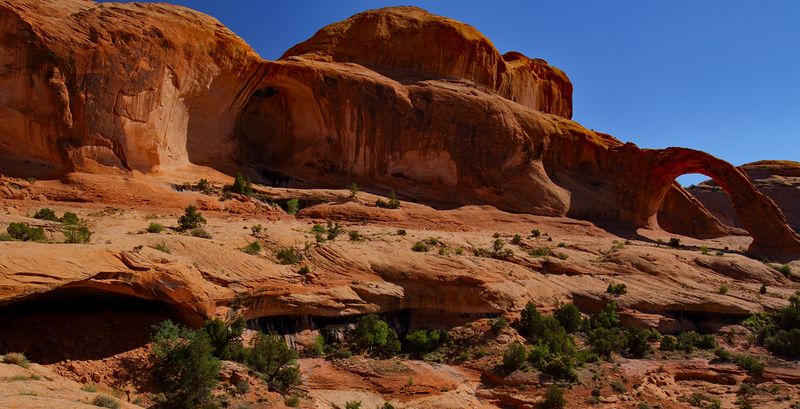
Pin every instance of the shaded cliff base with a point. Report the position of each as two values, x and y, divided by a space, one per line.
129 283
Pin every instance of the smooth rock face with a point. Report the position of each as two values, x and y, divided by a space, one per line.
780 180
394 98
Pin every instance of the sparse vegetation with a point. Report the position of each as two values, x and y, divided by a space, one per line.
786 270
420 247
674 242
253 248
352 404
554 398
241 185
749 363
540 252
105 401
723 289
204 186
536 233
515 356
201 233
353 190
288 255
16 358
154 227
779 332
704 250
162 247
45 214
24 232
617 289
355 235
76 234
516 240
292 206
393 203
191 219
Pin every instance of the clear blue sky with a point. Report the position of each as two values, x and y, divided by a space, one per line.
722 76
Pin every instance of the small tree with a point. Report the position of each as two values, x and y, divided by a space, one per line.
554 398
353 190
70 218
514 357
183 366
191 219
275 362
45 214
241 186
292 206
374 335
225 339
24 232
569 317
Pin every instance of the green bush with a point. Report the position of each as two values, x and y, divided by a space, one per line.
536 233
225 339
155 227
606 341
554 398
105 401
70 218
184 368
786 343
750 364
253 248
375 336
499 323
241 186
422 341
353 190
77 234
499 251
786 270
420 247
191 219
637 342
204 186
393 203
274 361
569 317
674 242
24 232
45 214
516 240
723 355
723 289
619 387
514 357
617 289
319 347
288 255
355 235
292 206
352 404
162 247
540 252
607 318
668 343
292 401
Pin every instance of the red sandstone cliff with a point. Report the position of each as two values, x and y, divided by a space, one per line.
392 98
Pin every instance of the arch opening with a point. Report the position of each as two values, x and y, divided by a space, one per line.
80 324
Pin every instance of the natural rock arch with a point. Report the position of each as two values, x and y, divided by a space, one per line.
647 175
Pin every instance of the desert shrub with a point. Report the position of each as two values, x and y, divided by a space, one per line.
668 343
401 232
352 404
274 362
540 252
536 233
554 398
499 323
420 247
353 190
318 228
191 219
242 387
334 229
704 250
688 341
162 247
355 235
24 232
387 405
617 289
723 355
786 343
292 206
204 186
514 357
154 227
70 218
607 318
606 341
252 248
723 289
292 401
105 401
619 387
76 234
786 270
569 317
201 233
393 203
375 336
499 251
288 255
422 341
749 363
241 185
516 240
674 242
184 368
256 229
225 339
319 347
763 289
637 343
45 214
16 358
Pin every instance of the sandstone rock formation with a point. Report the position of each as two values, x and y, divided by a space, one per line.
393 98
779 180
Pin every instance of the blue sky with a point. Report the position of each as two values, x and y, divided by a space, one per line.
722 76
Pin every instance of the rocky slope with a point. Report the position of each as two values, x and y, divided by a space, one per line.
780 180
120 109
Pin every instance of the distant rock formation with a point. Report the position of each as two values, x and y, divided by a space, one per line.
391 98
780 180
